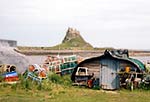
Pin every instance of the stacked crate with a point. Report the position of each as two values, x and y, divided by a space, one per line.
69 63
62 65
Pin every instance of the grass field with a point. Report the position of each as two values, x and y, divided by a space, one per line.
72 95
60 90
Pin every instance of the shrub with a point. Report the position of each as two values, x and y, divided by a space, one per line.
55 78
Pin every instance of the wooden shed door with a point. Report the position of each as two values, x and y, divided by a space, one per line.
108 76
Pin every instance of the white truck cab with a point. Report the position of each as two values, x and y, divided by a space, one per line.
82 71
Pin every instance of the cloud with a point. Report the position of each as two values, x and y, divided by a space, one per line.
115 23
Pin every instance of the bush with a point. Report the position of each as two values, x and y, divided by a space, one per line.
51 83
1 78
145 86
45 85
14 86
57 79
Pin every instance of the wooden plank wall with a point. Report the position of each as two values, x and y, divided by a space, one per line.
93 66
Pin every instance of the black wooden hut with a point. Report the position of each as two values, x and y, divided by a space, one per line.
108 66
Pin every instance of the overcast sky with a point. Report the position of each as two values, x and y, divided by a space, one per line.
103 23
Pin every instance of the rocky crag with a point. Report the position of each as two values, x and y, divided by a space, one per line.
73 40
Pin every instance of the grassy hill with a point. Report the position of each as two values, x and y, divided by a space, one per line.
73 40
76 43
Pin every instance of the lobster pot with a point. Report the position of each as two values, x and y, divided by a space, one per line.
72 58
55 68
67 68
31 68
68 65
57 62
5 68
42 74
69 71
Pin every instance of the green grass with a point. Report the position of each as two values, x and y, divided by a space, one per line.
59 89
71 94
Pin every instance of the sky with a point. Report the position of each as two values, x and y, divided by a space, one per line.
102 23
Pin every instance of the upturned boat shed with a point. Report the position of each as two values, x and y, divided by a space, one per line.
108 66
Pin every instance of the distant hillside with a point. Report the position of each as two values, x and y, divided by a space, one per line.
73 40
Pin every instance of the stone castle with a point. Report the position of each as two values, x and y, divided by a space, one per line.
71 34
